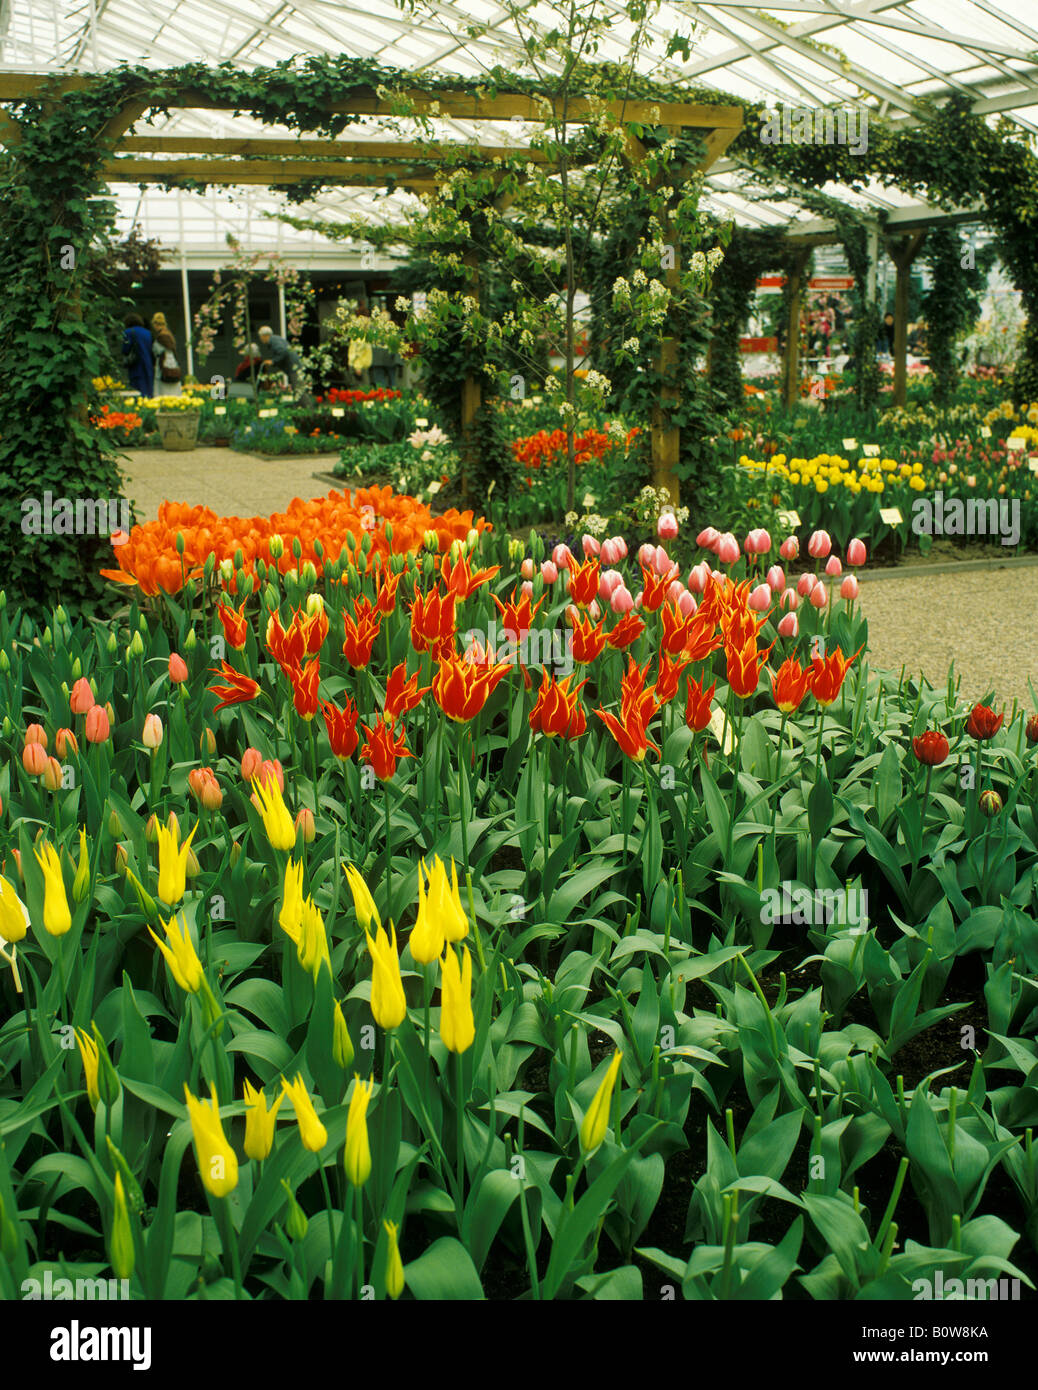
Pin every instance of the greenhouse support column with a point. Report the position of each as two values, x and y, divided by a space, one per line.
791 380
666 437
184 290
902 253
471 388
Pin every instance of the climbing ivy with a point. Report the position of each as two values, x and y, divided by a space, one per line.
750 252
952 303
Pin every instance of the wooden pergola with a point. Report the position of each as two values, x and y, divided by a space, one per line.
361 164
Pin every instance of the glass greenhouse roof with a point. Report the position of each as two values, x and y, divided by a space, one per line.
790 53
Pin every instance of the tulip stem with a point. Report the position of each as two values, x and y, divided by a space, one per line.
359 1222
459 1081
230 1243
389 854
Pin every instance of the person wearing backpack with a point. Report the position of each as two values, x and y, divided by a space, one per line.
167 368
138 358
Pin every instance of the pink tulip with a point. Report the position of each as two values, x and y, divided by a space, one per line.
664 566
790 548
790 599
594 612
621 546
698 576
621 600
686 604
776 577
819 596
526 569
610 553
591 546
639 599
82 697
608 581
251 761
758 542
98 726
760 599
667 526
820 544
728 549
675 589
856 552
805 584
708 539
548 572
646 556
849 588
573 615
526 587
151 735
562 557
833 566
718 576
788 626
177 668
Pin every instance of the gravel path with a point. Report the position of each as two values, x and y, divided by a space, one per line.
982 620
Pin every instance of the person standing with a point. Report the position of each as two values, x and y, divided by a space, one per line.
276 353
167 368
138 358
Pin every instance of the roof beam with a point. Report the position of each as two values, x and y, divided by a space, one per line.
326 149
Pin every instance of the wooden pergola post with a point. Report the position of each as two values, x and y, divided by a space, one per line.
902 252
666 437
791 365
471 388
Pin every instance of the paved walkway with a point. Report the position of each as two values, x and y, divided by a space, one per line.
983 621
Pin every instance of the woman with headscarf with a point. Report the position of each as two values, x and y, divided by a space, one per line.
167 368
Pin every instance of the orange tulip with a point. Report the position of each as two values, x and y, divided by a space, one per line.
305 685
628 630
827 675
432 622
235 626
342 728
461 689
557 711
361 631
790 685
589 640
381 750
697 707
583 582
744 668
238 690
402 695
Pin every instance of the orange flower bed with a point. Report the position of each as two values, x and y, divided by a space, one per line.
149 559
544 449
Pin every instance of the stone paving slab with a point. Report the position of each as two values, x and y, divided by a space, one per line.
232 484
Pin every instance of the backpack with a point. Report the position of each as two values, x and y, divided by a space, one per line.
170 371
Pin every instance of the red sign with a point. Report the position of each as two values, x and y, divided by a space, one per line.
758 344
831 282
770 282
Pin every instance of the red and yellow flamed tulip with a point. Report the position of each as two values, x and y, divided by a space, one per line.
381 750
827 675
461 689
342 728
627 631
668 679
432 622
361 631
235 625
517 614
557 712
286 647
697 708
311 1131
217 1161
306 682
457 1026
460 580
790 685
654 588
259 1122
356 1158
402 694
385 594
744 667
589 640
238 689
583 583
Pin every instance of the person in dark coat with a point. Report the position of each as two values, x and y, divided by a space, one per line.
138 355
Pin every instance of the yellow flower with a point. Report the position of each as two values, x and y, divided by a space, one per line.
394 1264
290 918
181 956
362 899
89 1052
342 1043
596 1121
388 1001
81 882
217 1162
313 940
428 934
172 862
457 1027
14 915
357 1155
311 1131
56 916
276 821
120 1246
259 1122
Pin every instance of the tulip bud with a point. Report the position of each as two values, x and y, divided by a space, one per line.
549 573
789 549
111 646
833 566
849 588
65 742
52 775
516 550
776 578
788 626
805 584
431 540
591 545
296 1224
526 568
856 554
305 821
177 668
34 759
122 859
819 596
190 641
760 599
790 599
820 544
1031 729
5 663
82 697
562 556
708 538
151 735
81 882
235 852
728 549
314 605
990 803
115 826
308 575
342 1043
151 829
193 868
276 546
207 743
136 647
667 526
36 733
48 637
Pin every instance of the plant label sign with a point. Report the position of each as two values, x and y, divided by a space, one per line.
219 410
1032 462
337 412
850 445
891 515
790 519
1015 446
871 451
421 424
985 431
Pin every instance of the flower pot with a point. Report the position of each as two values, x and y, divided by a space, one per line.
178 428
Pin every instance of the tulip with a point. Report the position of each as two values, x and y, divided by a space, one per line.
549 572
457 1026
646 555
686 604
526 588
312 946
621 600
177 668
562 557
65 742
789 549
674 590
728 549
36 733
217 1161
251 761
363 902
621 546
311 1131
833 567
388 1001
827 675
758 542
931 748
259 1122
276 820
788 626
790 600
819 596
356 1158
81 883
983 724
34 759
173 862
596 1121
304 821
120 1245
849 588
181 956
342 1043
82 697
56 916
526 568
698 575
610 554
14 915
1031 729
151 735
759 600
806 583
667 526
394 1264
590 545
707 539
856 552
269 769
52 775
90 1054
697 708
820 544
790 685
98 725
776 578
990 803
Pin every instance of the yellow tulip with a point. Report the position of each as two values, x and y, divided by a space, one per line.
120 1247
342 1043
217 1162
357 1156
173 862
290 917
56 916
363 902
394 1264
313 940
596 1121
181 956
388 1001
428 935
14 915
90 1054
259 1122
281 832
81 882
457 1026
311 1131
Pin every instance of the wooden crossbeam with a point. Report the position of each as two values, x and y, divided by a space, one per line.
262 171
324 149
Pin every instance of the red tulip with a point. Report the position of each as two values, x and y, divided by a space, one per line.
931 748
381 750
983 723
235 625
789 685
557 712
238 690
342 728
697 707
